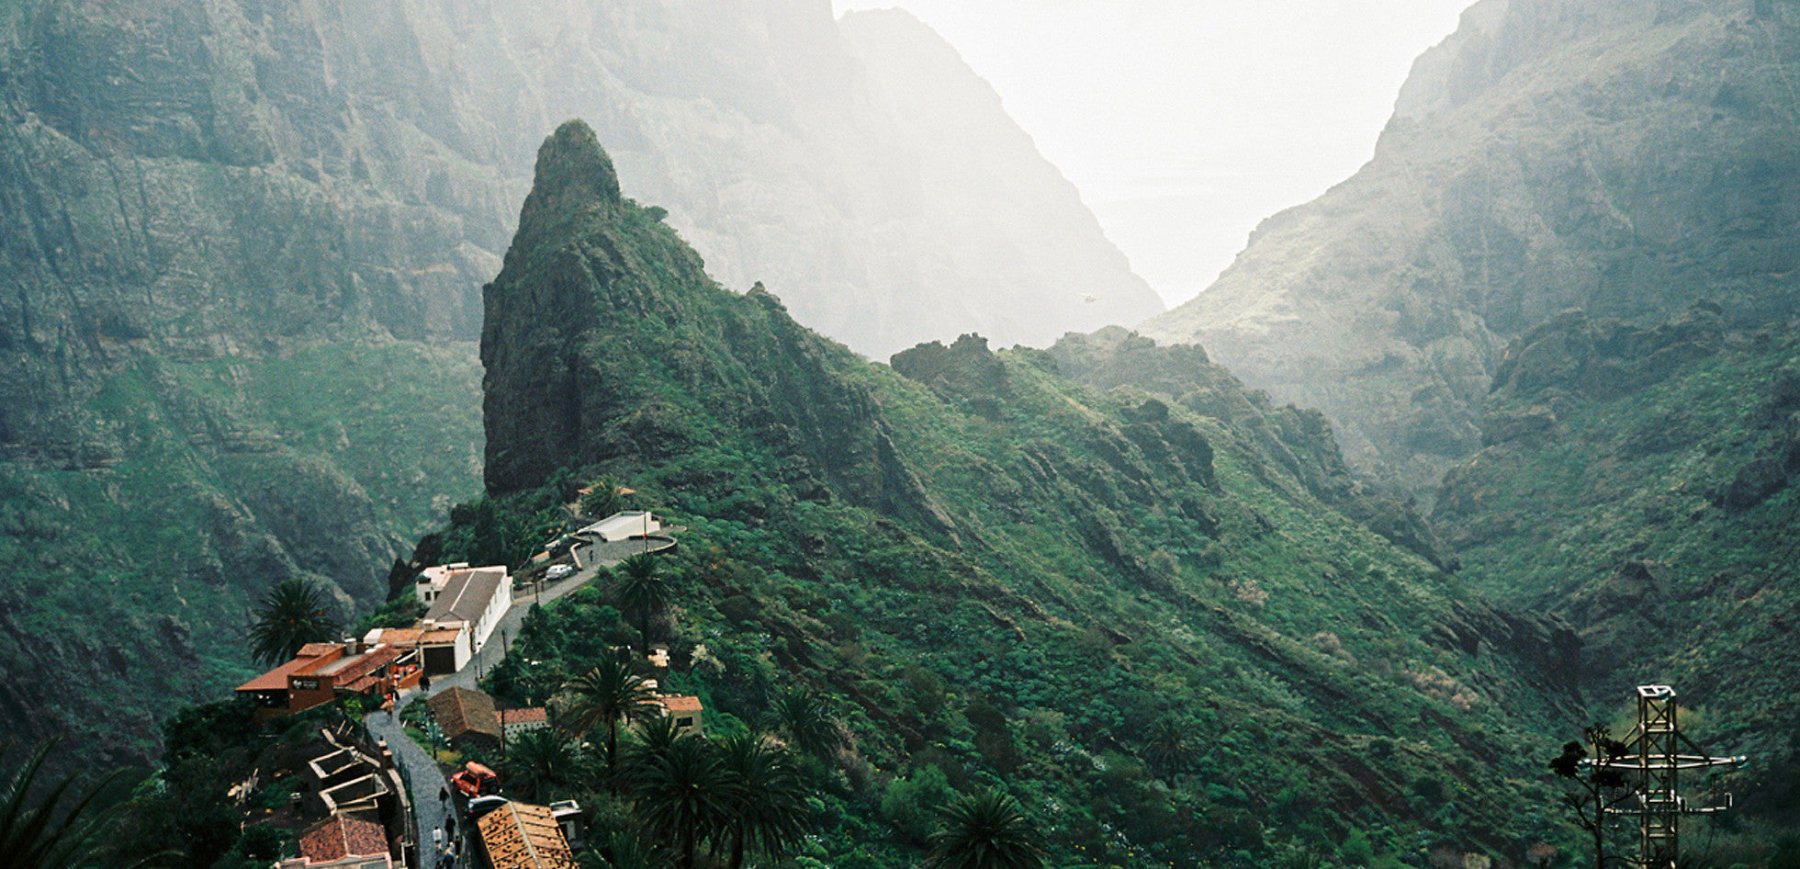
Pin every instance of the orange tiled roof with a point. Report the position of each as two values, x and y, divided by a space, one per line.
524 836
277 679
682 703
352 669
399 636
340 837
314 650
530 715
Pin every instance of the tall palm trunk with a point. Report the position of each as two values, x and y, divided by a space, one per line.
612 756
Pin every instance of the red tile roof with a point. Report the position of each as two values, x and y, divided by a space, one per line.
340 837
399 636
524 836
460 712
681 703
314 650
531 715
277 679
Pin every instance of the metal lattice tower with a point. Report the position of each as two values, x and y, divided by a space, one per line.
1653 763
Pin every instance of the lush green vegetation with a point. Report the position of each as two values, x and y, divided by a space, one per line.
1639 481
993 575
230 475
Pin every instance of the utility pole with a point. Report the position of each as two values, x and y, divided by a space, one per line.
1653 762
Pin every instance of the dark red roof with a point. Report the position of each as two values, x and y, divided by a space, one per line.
341 837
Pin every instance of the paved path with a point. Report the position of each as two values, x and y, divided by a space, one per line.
422 773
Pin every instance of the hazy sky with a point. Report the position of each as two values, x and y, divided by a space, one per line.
1186 122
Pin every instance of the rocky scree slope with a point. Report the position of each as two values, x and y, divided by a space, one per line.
1068 563
1620 157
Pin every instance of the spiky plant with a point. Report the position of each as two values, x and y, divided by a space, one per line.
986 830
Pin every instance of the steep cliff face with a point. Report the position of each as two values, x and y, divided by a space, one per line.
243 245
1625 158
1078 560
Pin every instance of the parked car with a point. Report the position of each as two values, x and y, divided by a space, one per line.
482 805
475 780
558 571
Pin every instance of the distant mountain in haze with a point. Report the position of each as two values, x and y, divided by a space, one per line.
1621 157
243 244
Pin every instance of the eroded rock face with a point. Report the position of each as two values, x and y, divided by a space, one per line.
243 245
1624 158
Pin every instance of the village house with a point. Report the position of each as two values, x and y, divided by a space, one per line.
516 721
685 709
341 842
624 525
464 605
320 672
467 718
523 836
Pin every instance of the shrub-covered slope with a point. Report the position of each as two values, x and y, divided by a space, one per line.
1002 574
242 243
1644 482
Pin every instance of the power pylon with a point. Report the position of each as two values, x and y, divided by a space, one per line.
1654 763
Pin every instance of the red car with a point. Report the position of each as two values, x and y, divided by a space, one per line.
475 780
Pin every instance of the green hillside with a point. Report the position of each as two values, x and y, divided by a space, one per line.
133 573
1640 482
1000 574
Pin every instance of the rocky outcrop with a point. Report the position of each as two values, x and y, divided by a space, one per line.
1298 443
605 339
1624 158
243 244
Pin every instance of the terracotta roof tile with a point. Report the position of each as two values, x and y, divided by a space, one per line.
524 836
340 837
460 712
682 703
531 715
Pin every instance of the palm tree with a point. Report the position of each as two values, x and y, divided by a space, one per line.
682 793
40 834
804 717
609 693
602 500
767 800
642 589
987 830
625 850
538 761
1166 748
293 613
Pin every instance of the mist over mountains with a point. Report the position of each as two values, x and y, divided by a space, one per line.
1625 158
212 209
1315 567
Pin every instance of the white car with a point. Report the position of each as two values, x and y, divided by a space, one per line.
558 571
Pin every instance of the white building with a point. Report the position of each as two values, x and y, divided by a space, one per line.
623 525
466 604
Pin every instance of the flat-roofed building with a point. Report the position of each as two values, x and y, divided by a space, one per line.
624 525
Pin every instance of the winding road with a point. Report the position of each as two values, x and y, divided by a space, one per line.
423 776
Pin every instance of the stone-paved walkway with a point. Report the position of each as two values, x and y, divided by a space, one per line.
423 775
